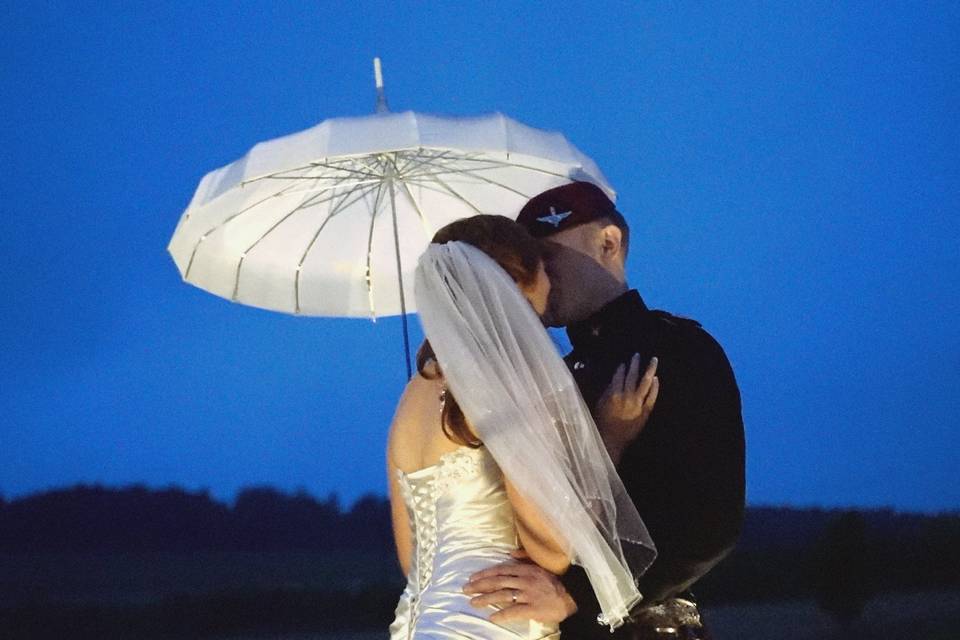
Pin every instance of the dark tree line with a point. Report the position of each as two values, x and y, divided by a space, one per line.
94 518
783 553
840 558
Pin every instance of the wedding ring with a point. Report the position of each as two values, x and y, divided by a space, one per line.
515 592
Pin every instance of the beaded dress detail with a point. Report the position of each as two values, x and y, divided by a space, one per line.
461 522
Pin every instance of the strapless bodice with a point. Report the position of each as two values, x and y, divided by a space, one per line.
462 522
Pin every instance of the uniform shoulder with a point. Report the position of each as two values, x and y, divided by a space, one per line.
689 334
674 320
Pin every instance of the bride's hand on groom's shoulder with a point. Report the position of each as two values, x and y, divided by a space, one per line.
522 590
626 405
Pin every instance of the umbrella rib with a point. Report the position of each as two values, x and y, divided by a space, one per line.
499 184
428 155
325 164
424 156
497 164
376 168
456 195
432 183
427 227
307 202
350 166
334 211
427 184
336 183
316 178
193 254
472 173
329 193
416 206
532 168
451 170
423 160
479 157
427 166
373 219
408 159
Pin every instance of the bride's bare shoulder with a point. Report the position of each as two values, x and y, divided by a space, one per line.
422 393
416 416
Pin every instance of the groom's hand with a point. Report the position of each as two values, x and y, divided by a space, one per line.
522 590
626 404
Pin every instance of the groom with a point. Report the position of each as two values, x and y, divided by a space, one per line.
682 463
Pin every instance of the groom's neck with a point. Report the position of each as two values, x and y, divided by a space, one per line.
606 292
597 295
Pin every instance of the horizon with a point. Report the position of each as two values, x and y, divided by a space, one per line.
347 505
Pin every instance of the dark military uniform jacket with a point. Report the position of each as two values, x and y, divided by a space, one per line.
685 471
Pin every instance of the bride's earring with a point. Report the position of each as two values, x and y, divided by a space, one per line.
443 397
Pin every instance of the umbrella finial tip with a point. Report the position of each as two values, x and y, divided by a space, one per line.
378 80
377 73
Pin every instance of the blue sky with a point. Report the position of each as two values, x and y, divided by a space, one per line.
791 173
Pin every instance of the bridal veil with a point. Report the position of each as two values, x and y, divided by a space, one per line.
515 390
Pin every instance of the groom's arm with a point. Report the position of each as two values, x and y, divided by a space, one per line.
696 512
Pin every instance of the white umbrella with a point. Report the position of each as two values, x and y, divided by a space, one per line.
330 221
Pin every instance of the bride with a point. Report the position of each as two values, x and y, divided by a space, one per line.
492 449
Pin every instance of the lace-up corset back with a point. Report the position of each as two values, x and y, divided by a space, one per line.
458 503
461 522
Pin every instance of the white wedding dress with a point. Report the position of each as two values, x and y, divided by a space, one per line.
461 522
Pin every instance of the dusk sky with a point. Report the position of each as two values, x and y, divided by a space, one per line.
791 175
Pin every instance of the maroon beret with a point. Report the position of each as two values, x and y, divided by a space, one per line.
564 207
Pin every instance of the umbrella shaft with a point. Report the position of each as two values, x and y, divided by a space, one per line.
403 301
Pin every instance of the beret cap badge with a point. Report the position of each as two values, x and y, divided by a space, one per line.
554 218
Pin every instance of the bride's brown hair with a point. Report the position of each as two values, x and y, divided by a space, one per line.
520 255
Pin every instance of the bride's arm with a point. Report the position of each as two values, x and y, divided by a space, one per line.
403 418
536 535
401 524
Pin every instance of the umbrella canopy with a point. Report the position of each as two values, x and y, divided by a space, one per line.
330 221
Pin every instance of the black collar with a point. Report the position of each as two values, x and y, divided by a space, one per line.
621 311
